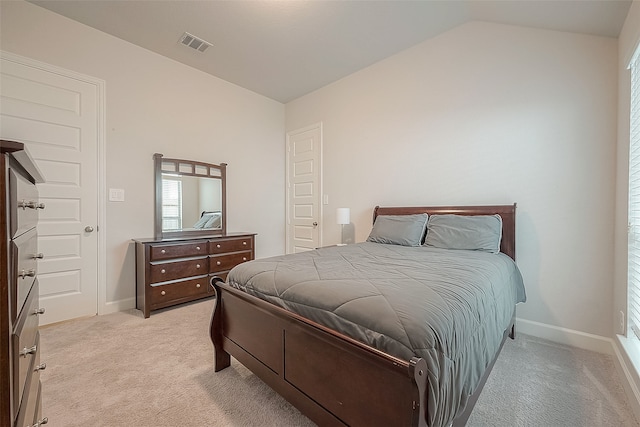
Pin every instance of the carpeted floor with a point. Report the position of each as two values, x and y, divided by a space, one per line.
122 370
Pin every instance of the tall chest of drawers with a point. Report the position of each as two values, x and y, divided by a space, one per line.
20 387
170 272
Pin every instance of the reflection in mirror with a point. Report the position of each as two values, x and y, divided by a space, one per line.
190 198
191 202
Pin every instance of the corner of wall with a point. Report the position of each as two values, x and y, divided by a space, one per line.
625 352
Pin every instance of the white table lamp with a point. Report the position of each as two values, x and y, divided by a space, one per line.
343 217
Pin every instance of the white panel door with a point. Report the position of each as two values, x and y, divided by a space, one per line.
55 115
304 189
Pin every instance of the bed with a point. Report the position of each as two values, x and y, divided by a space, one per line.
376 333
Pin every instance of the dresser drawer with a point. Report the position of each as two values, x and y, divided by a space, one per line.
30 406
24 251
24 204
183 289
219 246
181 250
39 419
163 272
25 341
227 262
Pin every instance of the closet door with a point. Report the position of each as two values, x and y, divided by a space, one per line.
55 113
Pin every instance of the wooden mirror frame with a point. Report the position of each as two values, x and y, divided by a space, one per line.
188 168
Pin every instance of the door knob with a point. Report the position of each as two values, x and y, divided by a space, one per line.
88 229
315 224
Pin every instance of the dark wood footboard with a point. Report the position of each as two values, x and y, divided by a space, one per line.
329 377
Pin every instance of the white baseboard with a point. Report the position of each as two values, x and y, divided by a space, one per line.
565 336
119 305
624 355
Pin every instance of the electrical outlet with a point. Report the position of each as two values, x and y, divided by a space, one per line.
622 322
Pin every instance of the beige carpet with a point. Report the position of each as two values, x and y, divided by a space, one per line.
123 370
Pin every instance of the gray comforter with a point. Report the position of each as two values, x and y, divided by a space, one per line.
448 307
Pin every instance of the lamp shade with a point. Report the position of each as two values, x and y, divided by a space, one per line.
343 216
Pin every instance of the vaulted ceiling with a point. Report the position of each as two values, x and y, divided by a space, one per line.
285 49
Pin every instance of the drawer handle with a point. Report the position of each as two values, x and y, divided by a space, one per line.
218 263
38 311
244 258
197 248
244 243
45 420
163 251
218 246
31 205
37 256
163 293
163 271
27 273
26 351
40 367
197 265
197 285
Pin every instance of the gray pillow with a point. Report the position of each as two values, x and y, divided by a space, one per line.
206 217
477 233
405 230
214 221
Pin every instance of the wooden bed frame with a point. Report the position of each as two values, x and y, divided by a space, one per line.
330 377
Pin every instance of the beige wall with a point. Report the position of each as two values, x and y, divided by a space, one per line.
154 104
489 114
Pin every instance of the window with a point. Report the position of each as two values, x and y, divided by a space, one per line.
171 204
633 298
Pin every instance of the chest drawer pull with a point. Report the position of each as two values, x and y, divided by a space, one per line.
24 204
26 351
39 311
27 273
244 243
218 246
197 248
45 420
163 251
218 263
40 367
37 256
163 293
197 265
31 205
197 285
163 271
244 258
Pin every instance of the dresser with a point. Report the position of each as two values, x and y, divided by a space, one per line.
20 366
174 271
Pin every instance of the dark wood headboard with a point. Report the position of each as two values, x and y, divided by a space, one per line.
507 212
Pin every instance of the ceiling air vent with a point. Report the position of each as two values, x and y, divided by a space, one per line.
194 42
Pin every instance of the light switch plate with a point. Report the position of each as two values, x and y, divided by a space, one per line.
116 195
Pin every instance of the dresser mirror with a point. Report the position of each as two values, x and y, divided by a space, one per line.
190 198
